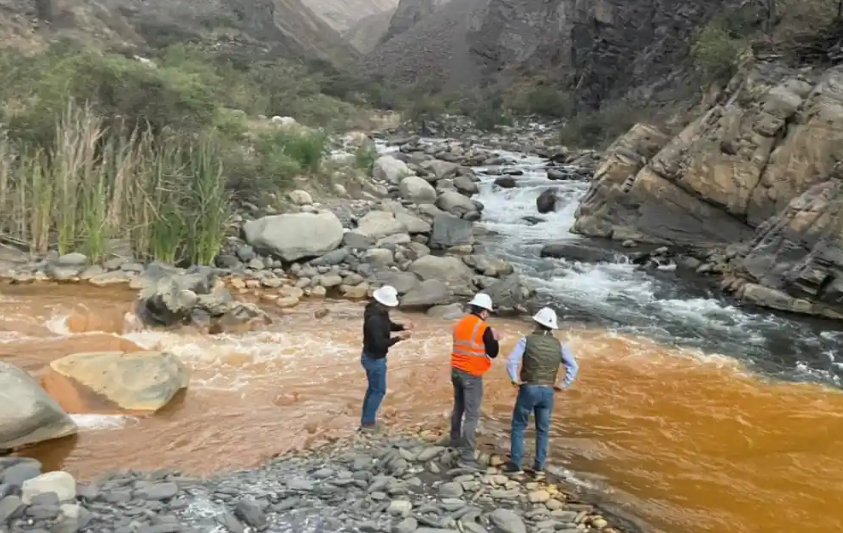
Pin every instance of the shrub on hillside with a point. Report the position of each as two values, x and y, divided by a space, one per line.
715 51
545 101
597 129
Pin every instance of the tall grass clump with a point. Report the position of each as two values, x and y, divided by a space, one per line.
285 153
364 158
165 194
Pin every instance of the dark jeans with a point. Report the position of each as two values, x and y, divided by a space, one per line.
468 395
376 374
537 400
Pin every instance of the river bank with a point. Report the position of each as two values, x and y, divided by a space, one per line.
399 484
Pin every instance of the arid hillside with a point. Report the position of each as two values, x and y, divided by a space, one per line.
263 27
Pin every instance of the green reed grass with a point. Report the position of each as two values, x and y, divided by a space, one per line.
164 193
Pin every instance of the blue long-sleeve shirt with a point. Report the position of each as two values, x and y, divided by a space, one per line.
571 366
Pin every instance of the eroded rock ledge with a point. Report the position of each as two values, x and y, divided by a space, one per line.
753 180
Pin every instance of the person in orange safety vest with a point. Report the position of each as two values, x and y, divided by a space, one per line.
475 345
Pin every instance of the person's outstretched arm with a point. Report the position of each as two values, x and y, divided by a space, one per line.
378 331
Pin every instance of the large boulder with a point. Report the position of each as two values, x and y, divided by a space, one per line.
451 270
390 169
510 294
546 201
448 231
402 281
136 381
27 414
455 203
295 236
578 251
441 169
417 190
380 224
488 266
429 293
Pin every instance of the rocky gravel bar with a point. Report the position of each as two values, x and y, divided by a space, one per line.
367 484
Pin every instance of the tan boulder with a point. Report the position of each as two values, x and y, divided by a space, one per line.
137 381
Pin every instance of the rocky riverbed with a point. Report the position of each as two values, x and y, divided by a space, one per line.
369 484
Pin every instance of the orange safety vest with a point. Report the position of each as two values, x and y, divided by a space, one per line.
469 352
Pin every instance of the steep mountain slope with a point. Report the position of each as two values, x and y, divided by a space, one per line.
343 14
604 47
365 34
408 13
250 27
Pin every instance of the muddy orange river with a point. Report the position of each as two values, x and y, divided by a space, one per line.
689 442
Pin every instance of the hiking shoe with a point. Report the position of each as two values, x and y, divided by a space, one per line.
369 428
511 469
449 442
469 464
537 473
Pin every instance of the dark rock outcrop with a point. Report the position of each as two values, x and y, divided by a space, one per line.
606 47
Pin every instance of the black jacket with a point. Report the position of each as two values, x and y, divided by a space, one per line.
492 346
377 328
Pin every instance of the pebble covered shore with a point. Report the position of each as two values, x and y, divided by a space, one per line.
368 484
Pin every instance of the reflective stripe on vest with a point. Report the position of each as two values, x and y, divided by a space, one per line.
469 350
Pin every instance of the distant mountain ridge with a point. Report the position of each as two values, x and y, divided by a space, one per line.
251 27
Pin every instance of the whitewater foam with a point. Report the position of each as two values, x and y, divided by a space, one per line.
94 422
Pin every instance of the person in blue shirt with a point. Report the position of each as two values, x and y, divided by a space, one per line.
540 354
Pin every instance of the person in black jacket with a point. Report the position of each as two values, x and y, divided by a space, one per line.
377 339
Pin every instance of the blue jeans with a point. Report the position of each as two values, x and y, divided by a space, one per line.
376 374
537 400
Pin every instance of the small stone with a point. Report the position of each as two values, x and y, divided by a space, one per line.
408 525
429 453
59 482
21 472
399 508
286 302
538 496
598 523
251 514
554 505
504 494
300 484
9 507
564 515
507 521
156 491
450 490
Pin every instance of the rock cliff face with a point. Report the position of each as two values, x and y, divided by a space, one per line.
343 14
248 27
365 34
605 47
756 172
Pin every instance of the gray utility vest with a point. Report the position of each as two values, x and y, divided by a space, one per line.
542 358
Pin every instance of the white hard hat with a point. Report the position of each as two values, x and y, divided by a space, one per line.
387 295
483 301
546 317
